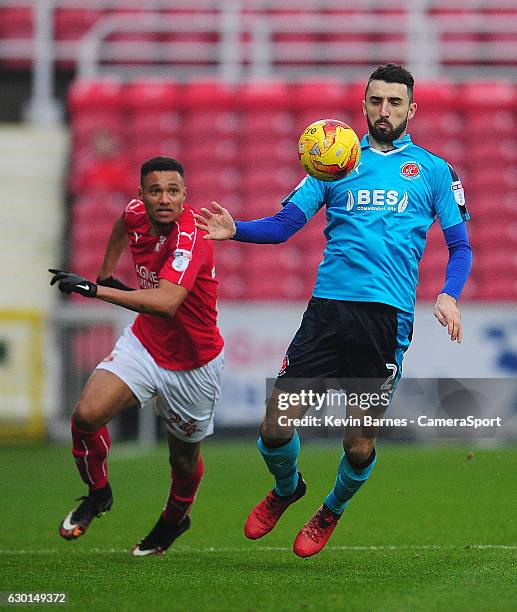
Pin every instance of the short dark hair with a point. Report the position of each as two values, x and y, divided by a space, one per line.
160 164
393 73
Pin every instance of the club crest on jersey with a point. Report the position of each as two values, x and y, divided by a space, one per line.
181 260
410 171
459 193
283 367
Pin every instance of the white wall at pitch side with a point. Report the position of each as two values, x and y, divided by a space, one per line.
257 336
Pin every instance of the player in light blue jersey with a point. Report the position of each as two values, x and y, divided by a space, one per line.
359 321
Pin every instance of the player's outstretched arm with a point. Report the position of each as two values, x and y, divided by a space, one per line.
161 301
218 224
448 314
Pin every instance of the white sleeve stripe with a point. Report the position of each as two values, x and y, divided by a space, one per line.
178 242
193 243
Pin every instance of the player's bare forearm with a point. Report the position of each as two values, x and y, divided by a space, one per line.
160 301
117 244
448 314
218 224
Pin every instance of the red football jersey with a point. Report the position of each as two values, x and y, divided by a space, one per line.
191 337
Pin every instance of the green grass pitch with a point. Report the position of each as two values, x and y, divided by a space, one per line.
433 529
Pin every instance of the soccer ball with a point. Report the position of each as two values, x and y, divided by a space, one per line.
329 149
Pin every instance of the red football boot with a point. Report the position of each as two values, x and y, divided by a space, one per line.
315 534
265 515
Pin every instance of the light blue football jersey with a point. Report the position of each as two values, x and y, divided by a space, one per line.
377 222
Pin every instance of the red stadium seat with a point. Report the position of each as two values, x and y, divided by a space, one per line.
85 262
85 240
213 123
476 95
201 198
221 153
89 346
282 181
211 184
151 94
497 262
289 287
497 233
101 207
230 257
354 98
493 204
152 107
320 95
86 124
267 95
489 108
17 23
498 289
144 123
156 144
501 149
492 175
268 124
231 286
434 263
310 239
280 152
95 95
437 95
260 205
435 125
138 36
102 175
489 124
209 94
72 24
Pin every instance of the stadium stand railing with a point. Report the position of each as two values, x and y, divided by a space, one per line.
236 40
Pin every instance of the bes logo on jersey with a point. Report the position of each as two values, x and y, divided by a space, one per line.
377 199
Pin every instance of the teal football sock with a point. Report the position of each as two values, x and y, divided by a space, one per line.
349 480
282 462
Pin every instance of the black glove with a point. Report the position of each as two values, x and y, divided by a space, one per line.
73 283
114 283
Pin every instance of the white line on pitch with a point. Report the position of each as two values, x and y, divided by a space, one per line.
185 549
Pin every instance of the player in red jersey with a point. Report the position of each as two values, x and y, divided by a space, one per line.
172 355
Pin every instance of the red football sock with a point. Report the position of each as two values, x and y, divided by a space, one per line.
90 450
182 493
